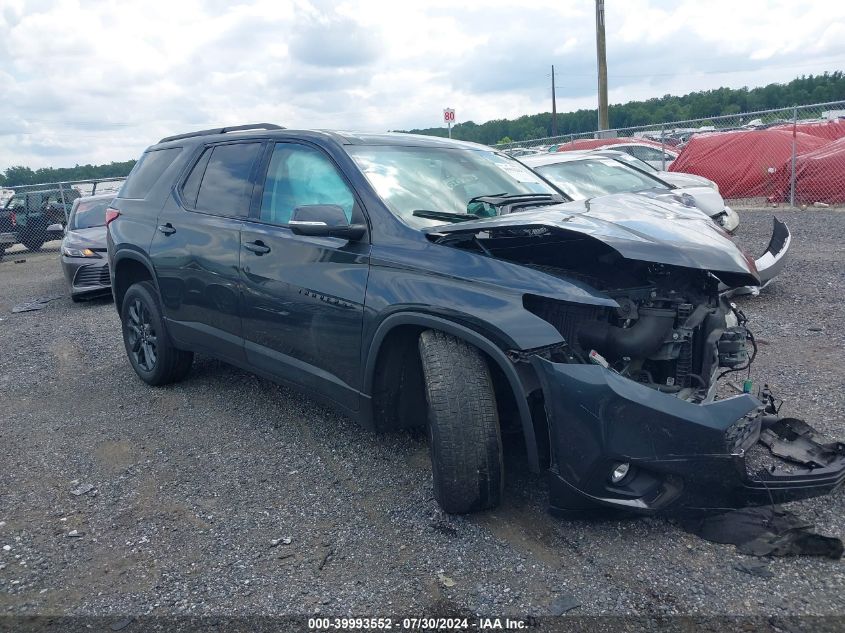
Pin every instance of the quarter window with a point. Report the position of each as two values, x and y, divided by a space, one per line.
192 185
147 171
298 176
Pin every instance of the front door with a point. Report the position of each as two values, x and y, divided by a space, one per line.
196 249
303 297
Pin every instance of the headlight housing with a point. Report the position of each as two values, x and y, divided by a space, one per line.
78 252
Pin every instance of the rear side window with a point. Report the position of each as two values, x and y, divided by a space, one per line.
147 172
226 186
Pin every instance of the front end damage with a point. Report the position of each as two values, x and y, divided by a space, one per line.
634 413
678 455
634 395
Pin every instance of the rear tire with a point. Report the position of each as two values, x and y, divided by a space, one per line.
463 423
150 351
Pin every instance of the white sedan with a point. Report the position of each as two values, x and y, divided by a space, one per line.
585 175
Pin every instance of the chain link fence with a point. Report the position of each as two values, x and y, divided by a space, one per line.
788 155
33 217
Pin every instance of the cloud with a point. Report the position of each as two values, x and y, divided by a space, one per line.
335 43
97 81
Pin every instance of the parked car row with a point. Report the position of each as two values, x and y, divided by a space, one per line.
417 281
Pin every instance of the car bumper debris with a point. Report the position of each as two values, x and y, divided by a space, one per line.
678 455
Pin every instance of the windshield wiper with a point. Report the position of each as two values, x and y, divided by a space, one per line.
504 203
445 215
494 198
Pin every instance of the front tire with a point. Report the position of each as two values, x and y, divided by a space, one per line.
150 352
463 423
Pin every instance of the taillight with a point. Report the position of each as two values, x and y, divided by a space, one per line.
111 215
14 218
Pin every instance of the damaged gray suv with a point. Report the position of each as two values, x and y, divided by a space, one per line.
415 281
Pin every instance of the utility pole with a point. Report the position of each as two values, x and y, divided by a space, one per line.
554 104
601 56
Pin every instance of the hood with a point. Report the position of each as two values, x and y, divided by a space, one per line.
705 198
637 227
680 179
93 238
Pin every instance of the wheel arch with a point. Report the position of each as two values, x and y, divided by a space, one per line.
420 321
129 267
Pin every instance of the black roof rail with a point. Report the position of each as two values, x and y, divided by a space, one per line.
223 130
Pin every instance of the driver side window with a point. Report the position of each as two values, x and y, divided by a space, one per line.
298 176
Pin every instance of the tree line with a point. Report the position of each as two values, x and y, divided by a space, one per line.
803 90
19 175
695 105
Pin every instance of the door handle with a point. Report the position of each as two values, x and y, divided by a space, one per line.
258 247
167 229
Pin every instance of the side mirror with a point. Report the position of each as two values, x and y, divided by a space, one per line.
325 220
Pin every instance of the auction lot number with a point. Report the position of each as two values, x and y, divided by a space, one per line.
410 624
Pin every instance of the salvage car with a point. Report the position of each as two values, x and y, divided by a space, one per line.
584 174
676 178
41 215
83 252
414 281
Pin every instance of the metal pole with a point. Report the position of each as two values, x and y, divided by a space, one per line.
554 104
64 202
792 174
662 150
450 128
601 56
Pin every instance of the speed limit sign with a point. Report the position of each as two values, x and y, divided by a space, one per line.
449 119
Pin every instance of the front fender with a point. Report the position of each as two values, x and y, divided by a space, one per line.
482 342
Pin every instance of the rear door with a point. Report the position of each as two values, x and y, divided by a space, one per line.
196 249
303 297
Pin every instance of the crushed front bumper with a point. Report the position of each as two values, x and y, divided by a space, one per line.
770 263
682 455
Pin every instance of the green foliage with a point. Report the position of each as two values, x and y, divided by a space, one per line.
695 105
19 175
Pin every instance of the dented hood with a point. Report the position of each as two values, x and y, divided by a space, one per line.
637 228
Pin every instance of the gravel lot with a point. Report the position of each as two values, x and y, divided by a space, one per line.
195 482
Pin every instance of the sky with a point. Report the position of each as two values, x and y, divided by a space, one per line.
98 81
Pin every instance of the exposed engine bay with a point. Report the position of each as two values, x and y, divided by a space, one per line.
672 330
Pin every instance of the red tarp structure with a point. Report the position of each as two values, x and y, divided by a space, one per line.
820 175
585 144
740 162
831 130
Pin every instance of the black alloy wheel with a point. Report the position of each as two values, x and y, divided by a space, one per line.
142 336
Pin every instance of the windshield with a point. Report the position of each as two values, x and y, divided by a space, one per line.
635 162
89 214
443 180
583 179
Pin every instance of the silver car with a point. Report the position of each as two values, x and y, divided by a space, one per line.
83 253
585 175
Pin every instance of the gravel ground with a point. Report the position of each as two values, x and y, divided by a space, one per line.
229 495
